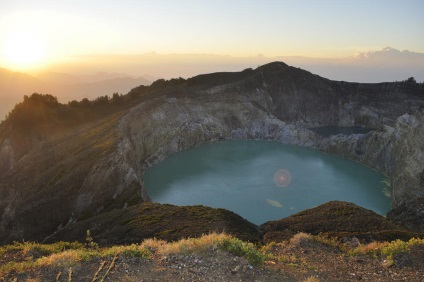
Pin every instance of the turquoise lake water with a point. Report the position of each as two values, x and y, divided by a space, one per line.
263 181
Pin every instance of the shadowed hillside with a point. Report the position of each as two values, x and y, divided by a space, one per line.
62 164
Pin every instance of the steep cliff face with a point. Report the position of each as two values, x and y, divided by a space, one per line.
85 170
306 99
397 151
161 127
279 103
71 175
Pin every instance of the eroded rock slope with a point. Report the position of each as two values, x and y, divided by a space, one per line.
85 170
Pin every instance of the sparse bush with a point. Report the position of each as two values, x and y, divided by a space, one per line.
153 245
89 242
410 80
299 238
162 83
330 241
372 249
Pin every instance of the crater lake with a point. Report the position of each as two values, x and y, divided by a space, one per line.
264 180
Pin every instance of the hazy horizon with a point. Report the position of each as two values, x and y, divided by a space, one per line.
167 39
35 34
384 65
67 43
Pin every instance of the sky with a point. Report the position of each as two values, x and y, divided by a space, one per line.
34 34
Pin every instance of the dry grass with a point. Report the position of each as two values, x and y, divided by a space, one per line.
207 243
62 257
67 255
299 238
186 246
133 250
312 279
385 249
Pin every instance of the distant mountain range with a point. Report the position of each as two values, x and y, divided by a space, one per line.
67 87
120 73
385 65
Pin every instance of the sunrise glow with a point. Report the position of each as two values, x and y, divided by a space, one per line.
34 32
23 50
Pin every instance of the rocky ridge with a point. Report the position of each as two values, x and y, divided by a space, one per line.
83 171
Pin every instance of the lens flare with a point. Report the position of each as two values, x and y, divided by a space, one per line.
282 178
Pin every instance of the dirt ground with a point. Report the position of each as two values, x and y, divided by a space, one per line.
303 261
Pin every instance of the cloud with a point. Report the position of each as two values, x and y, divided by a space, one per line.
388 53
385 65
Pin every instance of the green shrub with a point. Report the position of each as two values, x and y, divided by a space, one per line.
242 249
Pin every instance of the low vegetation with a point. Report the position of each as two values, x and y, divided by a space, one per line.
62 257
164 222
387 250
22 257
337 219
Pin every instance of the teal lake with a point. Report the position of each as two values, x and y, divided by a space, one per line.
262 180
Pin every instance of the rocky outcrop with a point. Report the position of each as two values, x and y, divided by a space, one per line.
170 125
96 167
397 151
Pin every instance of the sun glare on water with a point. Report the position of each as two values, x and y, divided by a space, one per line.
23 50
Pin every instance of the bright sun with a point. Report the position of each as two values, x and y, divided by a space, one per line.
23 50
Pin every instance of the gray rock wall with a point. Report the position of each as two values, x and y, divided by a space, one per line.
157 128
397 151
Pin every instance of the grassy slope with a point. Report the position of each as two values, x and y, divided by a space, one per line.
337 219
165 222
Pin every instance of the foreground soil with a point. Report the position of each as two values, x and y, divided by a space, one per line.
298 260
